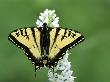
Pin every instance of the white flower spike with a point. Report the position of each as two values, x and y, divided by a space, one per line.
48 17
62 72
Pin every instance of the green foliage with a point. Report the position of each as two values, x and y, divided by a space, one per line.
90 59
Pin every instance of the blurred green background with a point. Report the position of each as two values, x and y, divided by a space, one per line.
90 60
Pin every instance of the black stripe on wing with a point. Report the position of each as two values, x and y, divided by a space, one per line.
26 50
33 34
53 62
56 35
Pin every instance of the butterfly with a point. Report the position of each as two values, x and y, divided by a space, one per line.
45 46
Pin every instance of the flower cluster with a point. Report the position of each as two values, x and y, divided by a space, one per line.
62 72
48 17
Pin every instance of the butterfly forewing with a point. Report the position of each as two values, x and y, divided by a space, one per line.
28 39
62 40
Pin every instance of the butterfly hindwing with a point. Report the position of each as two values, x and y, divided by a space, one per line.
29 40
62 40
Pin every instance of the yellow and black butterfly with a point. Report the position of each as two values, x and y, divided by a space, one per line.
45 46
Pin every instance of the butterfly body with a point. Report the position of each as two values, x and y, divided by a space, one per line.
45 46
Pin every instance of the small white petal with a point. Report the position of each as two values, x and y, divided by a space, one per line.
46 12
41 18
53 11
42 14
